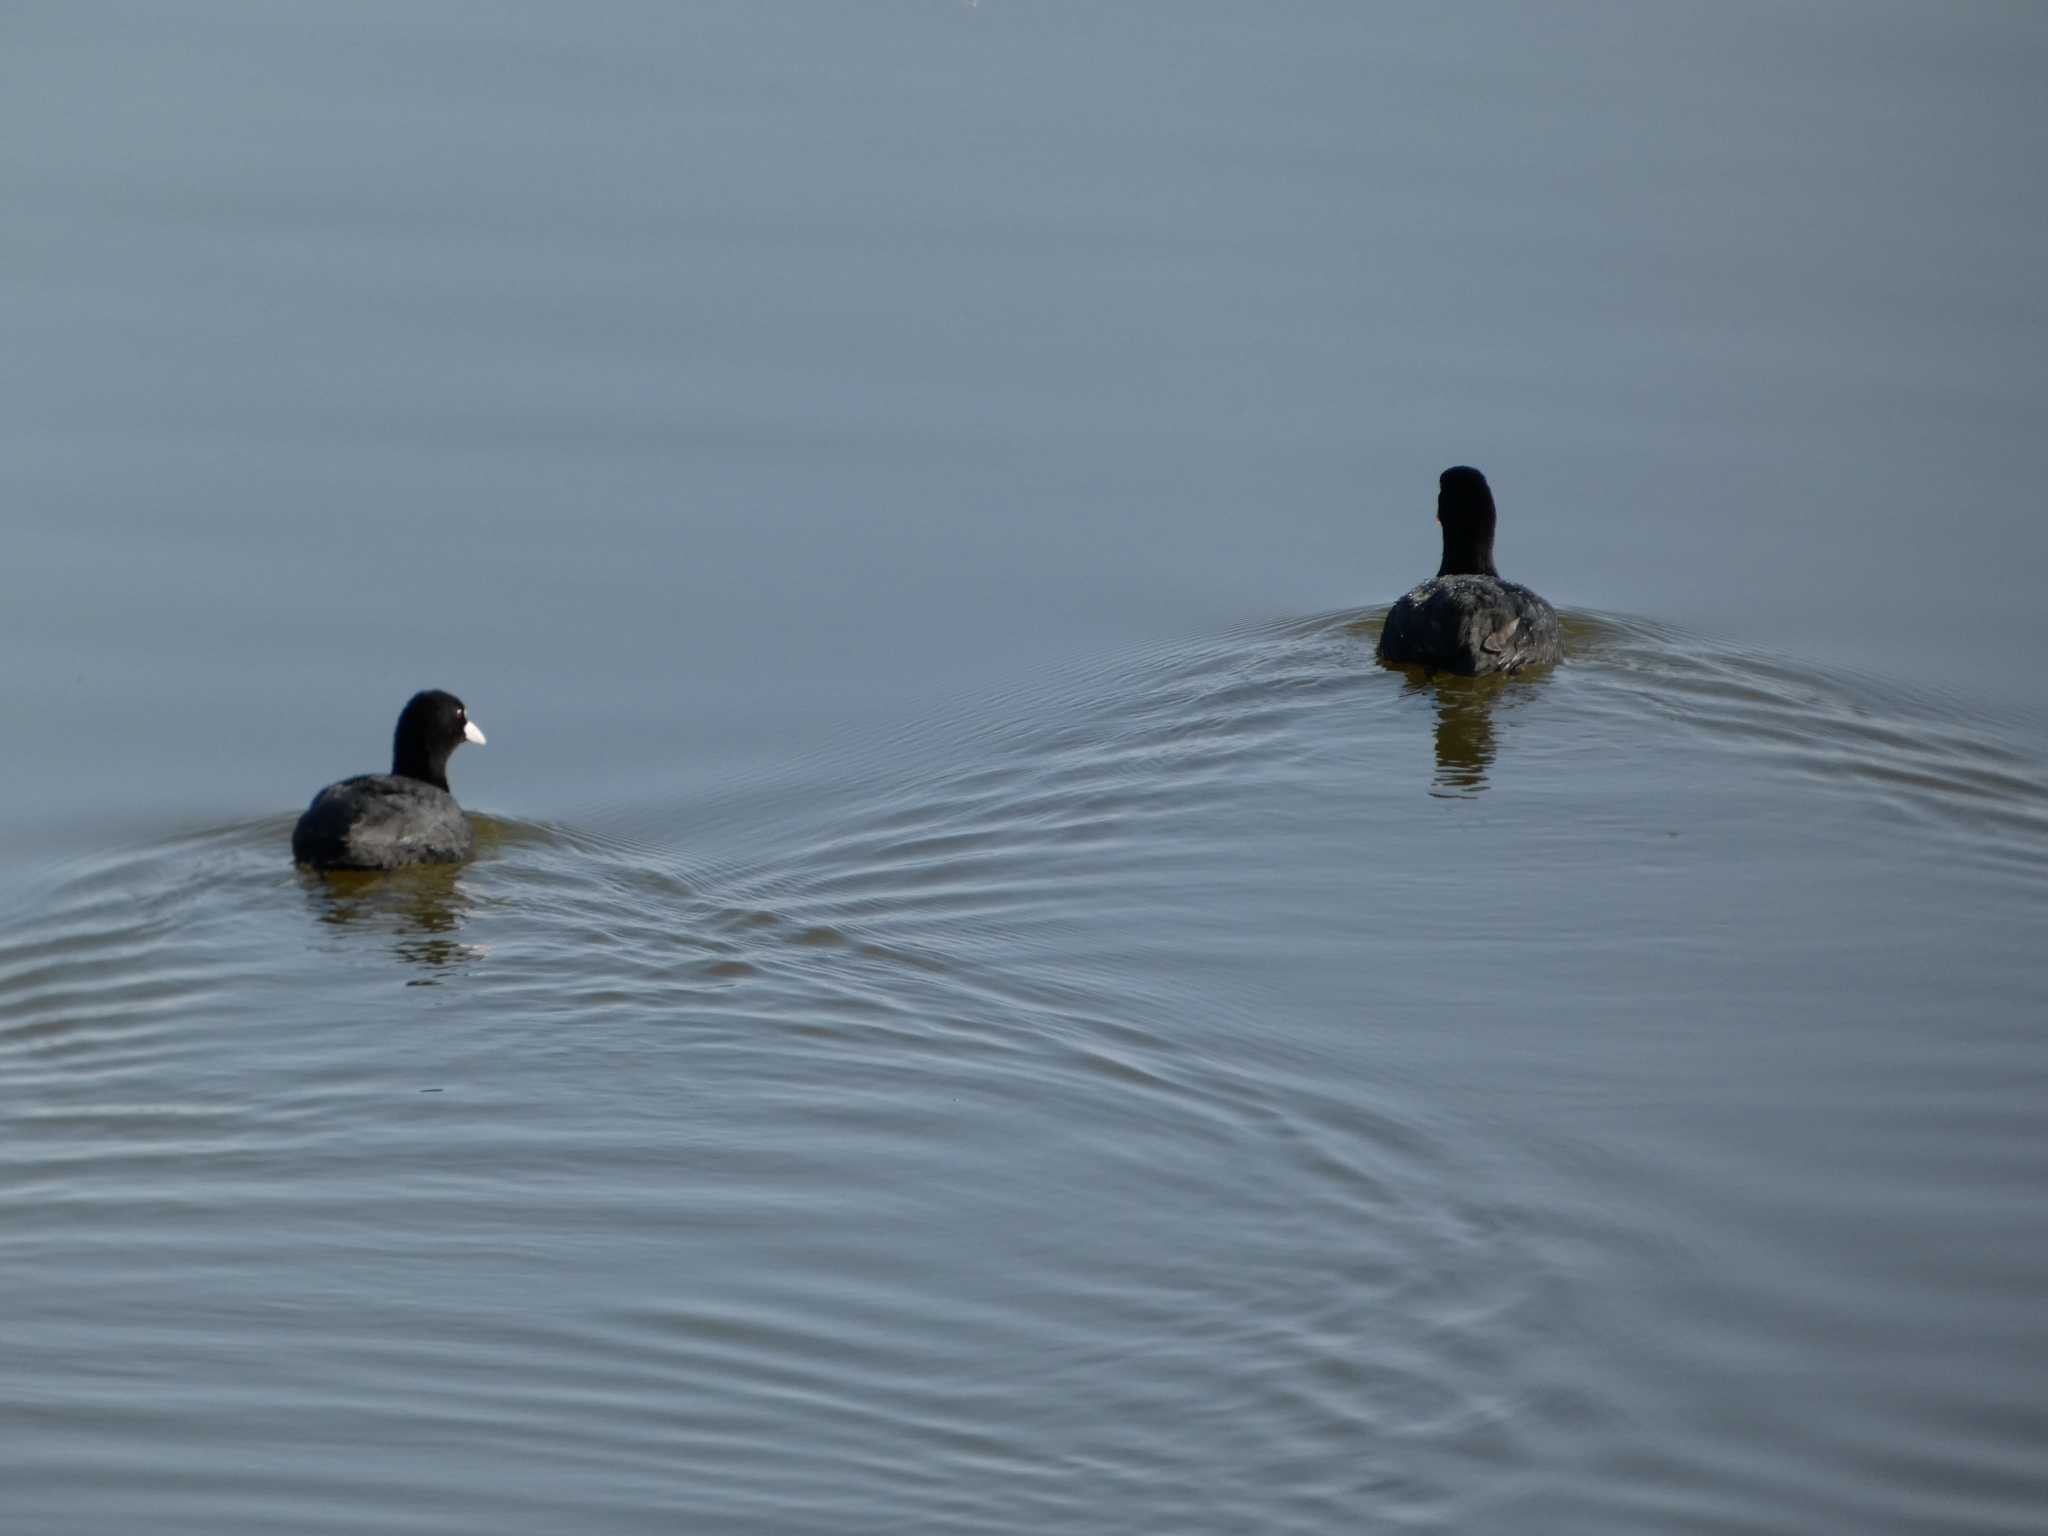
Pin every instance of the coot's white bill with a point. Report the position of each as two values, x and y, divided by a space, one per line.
471 733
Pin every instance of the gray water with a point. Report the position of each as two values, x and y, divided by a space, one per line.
979 1006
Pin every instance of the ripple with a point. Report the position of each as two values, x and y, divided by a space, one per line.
1041 1124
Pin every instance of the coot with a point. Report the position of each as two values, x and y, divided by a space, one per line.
406 816
1467 619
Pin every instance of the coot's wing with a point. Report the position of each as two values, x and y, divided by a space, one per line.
1539 636
1441 625
1410 634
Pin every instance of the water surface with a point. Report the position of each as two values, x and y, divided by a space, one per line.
979 1006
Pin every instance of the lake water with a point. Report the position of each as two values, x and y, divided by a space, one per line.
979 1006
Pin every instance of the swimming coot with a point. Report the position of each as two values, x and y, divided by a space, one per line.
406 816
1467 619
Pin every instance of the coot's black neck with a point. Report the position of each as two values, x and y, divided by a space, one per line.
1467 556
1464 510
412 760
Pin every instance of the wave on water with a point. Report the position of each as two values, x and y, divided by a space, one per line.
954 1153
1979 781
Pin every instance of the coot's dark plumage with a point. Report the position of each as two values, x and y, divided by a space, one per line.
406 816
1467 619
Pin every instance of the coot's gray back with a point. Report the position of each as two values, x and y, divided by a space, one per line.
1472 625
381 821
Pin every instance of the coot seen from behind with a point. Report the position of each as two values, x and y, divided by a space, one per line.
1467 619
406 816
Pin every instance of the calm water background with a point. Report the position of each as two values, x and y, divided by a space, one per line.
980 1007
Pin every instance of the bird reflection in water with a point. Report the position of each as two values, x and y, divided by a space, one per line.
1465 707
420 908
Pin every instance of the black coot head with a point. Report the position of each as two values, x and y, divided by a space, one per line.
1464 505
432 725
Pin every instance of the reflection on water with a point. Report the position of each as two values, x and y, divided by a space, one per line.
421 909
1464 729
1465 709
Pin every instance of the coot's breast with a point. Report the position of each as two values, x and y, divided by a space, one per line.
1472 625
381 821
